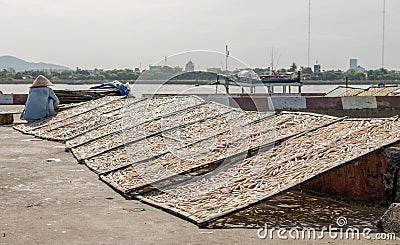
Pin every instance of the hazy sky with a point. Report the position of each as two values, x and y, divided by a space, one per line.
124 33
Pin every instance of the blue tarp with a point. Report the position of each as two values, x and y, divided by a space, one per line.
124 89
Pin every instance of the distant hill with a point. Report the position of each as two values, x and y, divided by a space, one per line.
7 62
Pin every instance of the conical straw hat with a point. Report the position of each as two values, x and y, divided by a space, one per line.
41 81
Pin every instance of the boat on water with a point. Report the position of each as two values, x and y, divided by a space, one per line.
277 78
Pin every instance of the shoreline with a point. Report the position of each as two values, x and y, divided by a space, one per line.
200 82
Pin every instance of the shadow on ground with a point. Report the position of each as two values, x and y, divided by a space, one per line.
303 210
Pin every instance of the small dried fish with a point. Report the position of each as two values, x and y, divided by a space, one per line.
285 165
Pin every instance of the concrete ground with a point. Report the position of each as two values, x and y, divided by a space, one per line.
47 198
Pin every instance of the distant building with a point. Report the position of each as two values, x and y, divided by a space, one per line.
360 69
317 68
354 67
189 66
137 69
353 64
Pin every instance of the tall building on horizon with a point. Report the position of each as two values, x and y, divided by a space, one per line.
317 67
354 67
353 64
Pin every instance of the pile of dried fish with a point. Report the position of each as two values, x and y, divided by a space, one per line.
109 128
353 92
385 91
158 107
378 91
372 91
208 128
110 160
86 107
123 156
63 115
271 172
221 147
136 112
369 92
168 142
27 127
114 126
146 129
78 125
108 110
98 146
176 162
286 125
181 118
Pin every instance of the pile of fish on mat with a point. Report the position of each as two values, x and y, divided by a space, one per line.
202 160
343 91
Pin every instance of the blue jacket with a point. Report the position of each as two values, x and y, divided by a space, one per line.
41 103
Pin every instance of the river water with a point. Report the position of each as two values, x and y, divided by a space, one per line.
139 89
